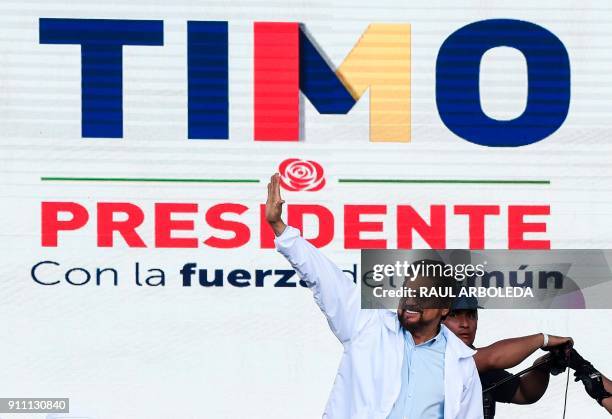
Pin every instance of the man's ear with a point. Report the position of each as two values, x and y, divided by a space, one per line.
445 312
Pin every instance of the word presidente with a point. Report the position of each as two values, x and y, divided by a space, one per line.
174 224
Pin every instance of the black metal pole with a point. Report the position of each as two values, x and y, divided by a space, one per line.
517 375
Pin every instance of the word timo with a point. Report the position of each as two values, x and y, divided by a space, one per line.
287 62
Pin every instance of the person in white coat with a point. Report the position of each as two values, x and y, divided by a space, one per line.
394 365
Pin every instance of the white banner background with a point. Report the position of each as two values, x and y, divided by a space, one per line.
137 352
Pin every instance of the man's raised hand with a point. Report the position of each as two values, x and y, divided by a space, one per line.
274 205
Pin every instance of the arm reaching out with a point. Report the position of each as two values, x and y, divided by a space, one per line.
607 402
533 385
509 353
337 296
597 385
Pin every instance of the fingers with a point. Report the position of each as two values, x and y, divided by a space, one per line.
276 188
274 195
272 187
560 340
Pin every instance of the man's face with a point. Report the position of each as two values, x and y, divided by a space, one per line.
417 312
413 317
463 323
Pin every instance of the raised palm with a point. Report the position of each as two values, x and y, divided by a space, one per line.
274 205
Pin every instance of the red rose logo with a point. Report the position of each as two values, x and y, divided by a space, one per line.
301 175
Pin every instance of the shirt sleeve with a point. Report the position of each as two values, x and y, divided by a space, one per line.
336 295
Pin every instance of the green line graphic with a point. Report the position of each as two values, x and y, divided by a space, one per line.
450 181
125 179
347 180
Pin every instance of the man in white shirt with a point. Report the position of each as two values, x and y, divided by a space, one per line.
404 364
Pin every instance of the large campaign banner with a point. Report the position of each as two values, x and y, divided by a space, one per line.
139 276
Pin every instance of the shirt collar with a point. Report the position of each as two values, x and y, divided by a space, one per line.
437 338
